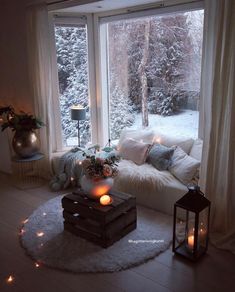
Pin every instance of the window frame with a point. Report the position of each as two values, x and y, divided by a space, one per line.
98 61
65 19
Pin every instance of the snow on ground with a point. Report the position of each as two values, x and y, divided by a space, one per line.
184 123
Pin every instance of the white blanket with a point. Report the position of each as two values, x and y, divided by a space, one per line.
156 189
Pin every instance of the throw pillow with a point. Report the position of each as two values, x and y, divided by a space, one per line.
183 166
134 151
145 136
160 156
184 142
196 151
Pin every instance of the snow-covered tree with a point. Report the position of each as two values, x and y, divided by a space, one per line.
71 45
153 66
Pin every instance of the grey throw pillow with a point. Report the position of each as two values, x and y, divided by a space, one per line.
160 156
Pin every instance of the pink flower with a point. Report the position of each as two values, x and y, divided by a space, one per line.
100 160
107 170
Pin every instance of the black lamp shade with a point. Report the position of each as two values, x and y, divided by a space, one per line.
78 113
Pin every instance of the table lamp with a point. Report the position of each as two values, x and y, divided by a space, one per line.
78 113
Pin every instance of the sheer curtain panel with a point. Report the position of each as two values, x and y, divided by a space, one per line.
40 70
218 119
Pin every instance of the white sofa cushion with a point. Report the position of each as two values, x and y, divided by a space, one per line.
185 143
183 166
160 156
196 150
145 136
155 189
133 150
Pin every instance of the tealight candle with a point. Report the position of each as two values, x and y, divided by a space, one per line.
105 200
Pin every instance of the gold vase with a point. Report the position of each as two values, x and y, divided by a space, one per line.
25 143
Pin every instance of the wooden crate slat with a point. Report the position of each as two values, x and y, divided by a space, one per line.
121 222
82 210
79 232
83 223
118 236
81 197
119 210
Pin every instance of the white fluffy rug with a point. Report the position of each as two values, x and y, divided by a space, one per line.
45 240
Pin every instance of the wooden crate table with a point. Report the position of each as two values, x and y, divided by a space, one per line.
102 225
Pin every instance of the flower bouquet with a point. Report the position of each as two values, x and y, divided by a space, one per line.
98 175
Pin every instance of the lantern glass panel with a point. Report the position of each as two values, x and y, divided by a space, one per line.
190 232
203 228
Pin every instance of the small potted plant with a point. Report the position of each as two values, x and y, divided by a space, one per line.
25 142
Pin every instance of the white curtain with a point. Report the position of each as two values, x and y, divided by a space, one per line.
40 70
218 119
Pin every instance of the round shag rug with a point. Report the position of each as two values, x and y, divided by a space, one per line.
45 241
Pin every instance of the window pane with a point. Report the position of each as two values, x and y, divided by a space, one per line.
154 73
72 61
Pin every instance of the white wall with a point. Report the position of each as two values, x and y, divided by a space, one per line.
14 82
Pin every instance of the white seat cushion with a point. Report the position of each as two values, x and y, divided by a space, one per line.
155 189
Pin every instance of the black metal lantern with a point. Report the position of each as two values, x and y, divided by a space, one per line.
191 224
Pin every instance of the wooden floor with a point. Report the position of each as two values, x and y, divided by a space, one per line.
215 272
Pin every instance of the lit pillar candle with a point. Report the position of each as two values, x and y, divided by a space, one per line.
105 200
191 242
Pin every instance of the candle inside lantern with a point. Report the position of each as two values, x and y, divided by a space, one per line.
105 200
202 234
191 242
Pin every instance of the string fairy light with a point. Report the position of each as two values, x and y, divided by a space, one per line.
36 265
10 279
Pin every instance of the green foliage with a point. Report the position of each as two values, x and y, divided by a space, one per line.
19 121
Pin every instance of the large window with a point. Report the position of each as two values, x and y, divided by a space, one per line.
72 63
129 70
154 69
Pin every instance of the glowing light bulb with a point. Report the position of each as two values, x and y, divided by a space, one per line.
40 234
44 213
22 231
37 265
